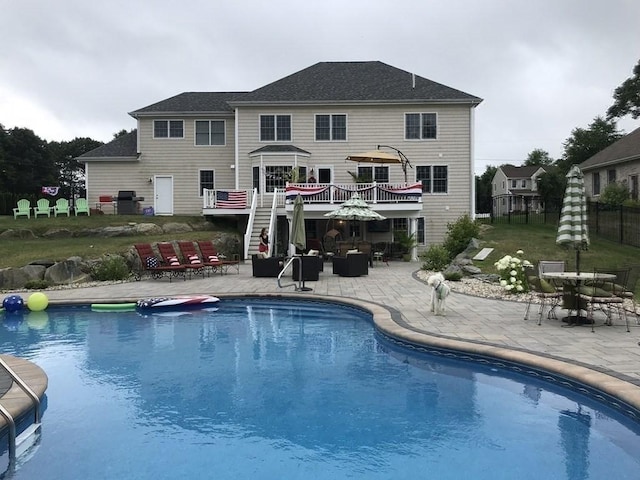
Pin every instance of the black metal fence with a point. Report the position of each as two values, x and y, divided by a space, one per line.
619 224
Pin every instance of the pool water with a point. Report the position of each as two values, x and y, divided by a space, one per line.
277 389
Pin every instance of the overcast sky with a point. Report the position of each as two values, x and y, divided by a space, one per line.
74 68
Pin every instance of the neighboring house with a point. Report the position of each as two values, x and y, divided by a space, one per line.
514 189
231 153
619 162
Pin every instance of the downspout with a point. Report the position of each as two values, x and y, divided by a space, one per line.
472 213
236 154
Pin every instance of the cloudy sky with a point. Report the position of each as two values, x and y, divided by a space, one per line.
74 68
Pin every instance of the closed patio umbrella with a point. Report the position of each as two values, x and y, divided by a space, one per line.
573 230
298 232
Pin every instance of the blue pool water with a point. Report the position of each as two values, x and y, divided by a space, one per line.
275 389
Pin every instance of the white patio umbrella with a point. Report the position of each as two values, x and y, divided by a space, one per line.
573 230
355 209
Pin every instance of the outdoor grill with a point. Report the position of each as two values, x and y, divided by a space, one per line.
128 202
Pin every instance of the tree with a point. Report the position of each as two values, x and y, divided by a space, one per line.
26 162
626 97
71 172
538 157
551 186
484 199
585 143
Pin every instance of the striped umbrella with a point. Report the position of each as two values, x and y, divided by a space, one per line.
573 230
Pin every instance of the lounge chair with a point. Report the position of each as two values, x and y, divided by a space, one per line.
23 209
170 257
82 207
191 255
61 207
43 207
210 252
154 266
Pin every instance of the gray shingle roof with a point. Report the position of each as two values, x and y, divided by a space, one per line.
192 102
123 146
279 149
625 149
520 172
354 81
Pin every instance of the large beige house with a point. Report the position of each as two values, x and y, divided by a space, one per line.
619 162
247 154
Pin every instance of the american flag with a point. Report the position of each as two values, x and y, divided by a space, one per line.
231 199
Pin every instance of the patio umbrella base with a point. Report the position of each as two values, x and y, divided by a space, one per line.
576 320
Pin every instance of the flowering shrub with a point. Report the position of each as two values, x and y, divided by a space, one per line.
513 274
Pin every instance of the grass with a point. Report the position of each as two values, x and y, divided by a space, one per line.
19 252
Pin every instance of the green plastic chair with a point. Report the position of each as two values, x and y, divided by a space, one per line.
43 207
61 207
23 209
82 206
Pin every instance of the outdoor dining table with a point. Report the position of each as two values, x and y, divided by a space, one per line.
570 297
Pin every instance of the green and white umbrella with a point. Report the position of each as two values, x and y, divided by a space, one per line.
298 232
573 230
355 209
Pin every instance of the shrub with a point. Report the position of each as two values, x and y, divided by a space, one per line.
36 285
453 276
435 258
459 234
513 273
615 194
111 268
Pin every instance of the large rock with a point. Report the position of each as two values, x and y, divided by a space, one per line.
176 228
65 272
12 278
147 229
57 233
21 233
34 272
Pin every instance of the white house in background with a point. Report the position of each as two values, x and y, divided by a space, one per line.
236 153
619 162
515 188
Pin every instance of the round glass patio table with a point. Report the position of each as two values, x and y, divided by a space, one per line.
570 298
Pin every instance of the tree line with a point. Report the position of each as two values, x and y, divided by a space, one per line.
582 144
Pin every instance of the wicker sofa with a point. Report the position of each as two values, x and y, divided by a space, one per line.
266 267
351 265
312 265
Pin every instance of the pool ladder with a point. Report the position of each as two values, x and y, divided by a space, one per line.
21 444
300 287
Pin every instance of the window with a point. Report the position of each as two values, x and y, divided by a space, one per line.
595 183
210 132
435 179
168 129
514 183
331 127
373 174
206 180
420 126
611 176
524 184
276 177
421 234
275 128
256 178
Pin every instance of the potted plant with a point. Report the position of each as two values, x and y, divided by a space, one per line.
406 241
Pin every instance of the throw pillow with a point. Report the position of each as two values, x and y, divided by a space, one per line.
152 262
355 250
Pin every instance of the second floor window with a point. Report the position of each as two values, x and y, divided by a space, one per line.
275 128
435 179
420 126
373 174
210 132
331 127
168 129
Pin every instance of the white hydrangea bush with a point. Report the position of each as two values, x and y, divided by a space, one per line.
513 273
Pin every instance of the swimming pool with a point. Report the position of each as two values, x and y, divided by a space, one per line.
273 388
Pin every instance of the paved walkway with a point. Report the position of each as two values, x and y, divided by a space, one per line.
611 355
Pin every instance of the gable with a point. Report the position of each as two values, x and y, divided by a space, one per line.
624 150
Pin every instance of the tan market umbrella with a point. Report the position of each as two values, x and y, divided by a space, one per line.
375 156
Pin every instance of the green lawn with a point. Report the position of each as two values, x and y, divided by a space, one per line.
18 252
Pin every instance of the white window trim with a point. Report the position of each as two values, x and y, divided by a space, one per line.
331 139
404 126
275 115
168 120
224 122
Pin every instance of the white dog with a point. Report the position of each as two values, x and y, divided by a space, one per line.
439 293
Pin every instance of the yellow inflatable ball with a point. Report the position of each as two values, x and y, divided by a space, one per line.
37 302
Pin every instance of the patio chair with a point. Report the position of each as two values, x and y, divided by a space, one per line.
43 207
155 267
351 265
606 295
61 207
266 267
191 255
23 209
210 252
82 206
169 256
546 292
